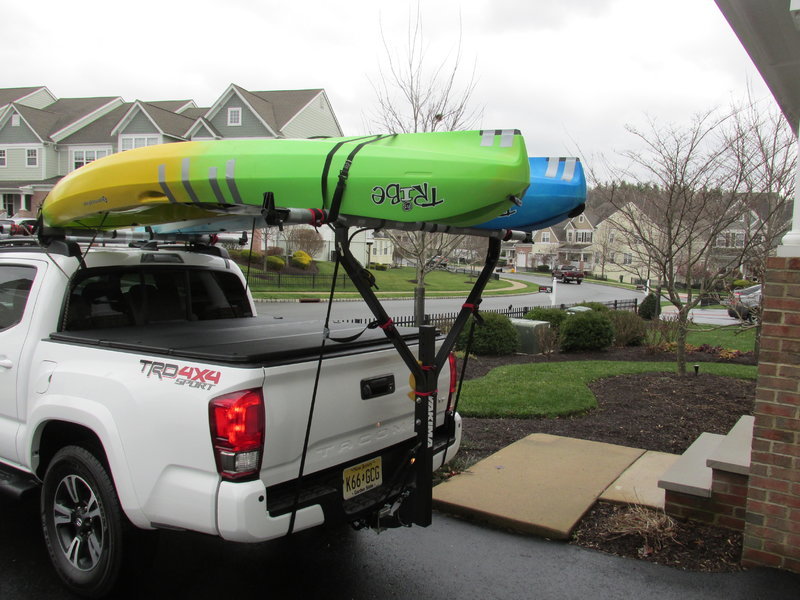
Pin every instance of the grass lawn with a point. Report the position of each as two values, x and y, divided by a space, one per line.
731 337
559 388
398 282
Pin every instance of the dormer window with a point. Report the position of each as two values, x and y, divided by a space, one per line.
15 120
234 116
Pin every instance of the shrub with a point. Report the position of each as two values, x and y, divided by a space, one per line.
741 283
543 269
301 260
497 336
275 263
274 251
586 331
629 328
596 306
554 316
648 309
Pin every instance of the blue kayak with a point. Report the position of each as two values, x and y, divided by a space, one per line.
557 192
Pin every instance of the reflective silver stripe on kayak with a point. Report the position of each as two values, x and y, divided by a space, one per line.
569 169
552 166
186 183
230 168
162 181
212 179
506 138
487 137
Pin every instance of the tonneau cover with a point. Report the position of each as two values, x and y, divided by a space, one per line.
255 340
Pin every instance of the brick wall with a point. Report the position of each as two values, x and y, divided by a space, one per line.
772 530
725 507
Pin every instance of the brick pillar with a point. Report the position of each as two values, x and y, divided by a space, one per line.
772 529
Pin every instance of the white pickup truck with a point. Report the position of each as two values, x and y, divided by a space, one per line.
139 391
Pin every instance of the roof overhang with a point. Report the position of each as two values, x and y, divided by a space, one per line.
769 30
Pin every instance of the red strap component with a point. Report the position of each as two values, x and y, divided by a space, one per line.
388 325
472 307
317 217
426 394
427 367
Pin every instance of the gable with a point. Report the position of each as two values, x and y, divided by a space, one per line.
19 133
250 123
139 123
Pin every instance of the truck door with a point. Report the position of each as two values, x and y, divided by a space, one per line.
15 285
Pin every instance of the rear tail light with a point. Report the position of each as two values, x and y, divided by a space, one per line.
237 433
451 398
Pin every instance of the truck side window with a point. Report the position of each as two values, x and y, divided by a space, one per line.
15 285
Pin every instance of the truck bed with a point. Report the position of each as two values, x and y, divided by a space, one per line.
262 340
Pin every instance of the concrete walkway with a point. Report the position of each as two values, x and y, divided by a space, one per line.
544 484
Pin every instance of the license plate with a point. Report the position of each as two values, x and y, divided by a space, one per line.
362 478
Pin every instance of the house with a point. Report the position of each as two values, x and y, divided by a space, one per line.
42 137
543 249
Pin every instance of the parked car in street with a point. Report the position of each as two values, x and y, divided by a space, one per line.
745 303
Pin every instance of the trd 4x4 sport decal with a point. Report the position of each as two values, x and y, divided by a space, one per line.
204 379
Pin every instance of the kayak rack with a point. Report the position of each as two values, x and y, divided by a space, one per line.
425 368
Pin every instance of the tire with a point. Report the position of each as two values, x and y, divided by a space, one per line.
564 280
83 523
578 281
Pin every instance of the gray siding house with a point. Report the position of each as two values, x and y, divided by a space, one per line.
42 137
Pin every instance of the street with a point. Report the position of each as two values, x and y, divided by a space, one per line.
452 558
566 293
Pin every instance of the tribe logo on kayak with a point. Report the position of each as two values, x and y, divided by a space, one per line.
422 195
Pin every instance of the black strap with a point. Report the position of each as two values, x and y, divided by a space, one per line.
338 194
299 485
351 338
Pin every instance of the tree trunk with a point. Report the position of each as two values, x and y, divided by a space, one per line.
419 295
683 326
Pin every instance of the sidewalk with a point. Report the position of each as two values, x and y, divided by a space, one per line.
544 484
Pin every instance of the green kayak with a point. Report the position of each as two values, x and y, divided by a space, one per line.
456 178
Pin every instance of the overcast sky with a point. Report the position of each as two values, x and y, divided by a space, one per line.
570 74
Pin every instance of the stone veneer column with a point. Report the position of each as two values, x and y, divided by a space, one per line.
772 529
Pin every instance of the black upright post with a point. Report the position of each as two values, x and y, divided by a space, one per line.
424 423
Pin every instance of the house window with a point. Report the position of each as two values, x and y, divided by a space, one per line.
569 236
32 157
627 259
234 117
15 120
546 237
580 219
730 239
610 236
3 162
129 142
584 237
84 157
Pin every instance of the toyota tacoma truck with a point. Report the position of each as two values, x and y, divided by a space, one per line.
139 391
567 273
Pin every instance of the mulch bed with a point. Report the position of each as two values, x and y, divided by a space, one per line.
653 411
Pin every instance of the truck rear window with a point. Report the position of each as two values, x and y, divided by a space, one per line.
107 298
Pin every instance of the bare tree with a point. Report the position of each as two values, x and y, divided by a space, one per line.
306 239
765 149
414 97
689 193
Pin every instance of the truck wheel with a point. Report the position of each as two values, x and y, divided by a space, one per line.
564 280
82 522
578 281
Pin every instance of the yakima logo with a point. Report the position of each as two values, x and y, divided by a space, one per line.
204 379
422 195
